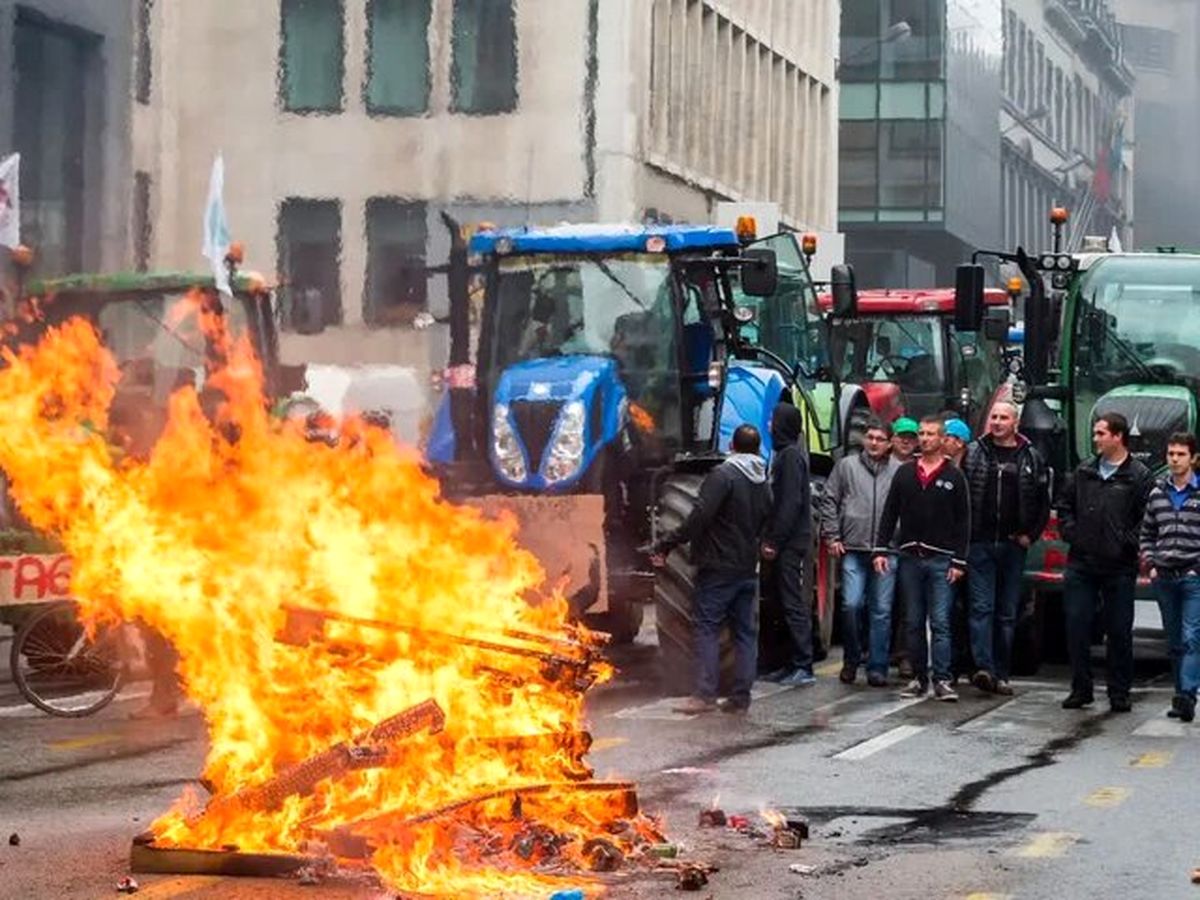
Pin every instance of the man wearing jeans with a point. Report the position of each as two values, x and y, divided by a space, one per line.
1100 516
1009 508
1170 549
851 507
725 530
929 503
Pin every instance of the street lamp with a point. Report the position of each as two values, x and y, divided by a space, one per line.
896 33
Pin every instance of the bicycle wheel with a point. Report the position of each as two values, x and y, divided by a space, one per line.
60 669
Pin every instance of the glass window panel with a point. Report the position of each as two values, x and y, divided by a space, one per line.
857 174
903 151
309 245
396 279
398 57
857 215
919 55
902 100
902 215
858 101
937 100
312 55
483 73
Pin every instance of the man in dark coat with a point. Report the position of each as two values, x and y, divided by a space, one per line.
789 538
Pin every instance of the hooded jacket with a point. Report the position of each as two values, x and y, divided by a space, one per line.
726 524
790 524
852 503
1102 520
1033 489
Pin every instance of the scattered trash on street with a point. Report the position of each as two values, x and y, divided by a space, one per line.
127 885
801 869
712 818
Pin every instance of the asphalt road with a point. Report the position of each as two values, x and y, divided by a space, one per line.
988 798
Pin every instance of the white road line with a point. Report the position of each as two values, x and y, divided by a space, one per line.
28 709
876 711
881 742
1165 728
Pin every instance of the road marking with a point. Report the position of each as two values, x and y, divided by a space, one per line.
876 711
1048 845
880 742
1161 728
608 743
79 743
1155 759
28 709
1107 797
1023 713
180 886
664 708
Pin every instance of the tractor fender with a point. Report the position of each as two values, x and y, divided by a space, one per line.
751 394
853 408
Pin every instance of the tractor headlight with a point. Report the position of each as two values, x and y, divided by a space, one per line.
505 446
566 450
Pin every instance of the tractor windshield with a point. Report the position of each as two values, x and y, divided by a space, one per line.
564 305
1137 323
906 350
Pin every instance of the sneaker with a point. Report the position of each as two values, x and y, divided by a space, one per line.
984 681
943 691
848 674
1176 705
915 688
1076 700
1120 703
876 679
778 674
905 670
799 678
734 707
1187 708
1003 688
695 706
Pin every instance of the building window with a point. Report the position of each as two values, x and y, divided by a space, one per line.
483 74
309 247
1149 48
398 57
311 55
143 224
858 177
396 279
143 73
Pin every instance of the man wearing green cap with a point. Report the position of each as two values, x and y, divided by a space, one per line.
904 448
904 439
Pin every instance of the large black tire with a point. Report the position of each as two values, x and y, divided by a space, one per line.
673 596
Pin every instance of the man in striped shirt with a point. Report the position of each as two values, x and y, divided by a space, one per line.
1170 550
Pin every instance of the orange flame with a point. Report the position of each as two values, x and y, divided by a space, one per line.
233 516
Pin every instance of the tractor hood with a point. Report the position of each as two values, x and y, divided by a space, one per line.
1154 412
551 418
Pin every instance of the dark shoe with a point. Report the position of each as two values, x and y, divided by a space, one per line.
799 678
944 691
1176 703
848 674
915 688
778 674
905 670
1120 704
984 681
1003 688
733 707
1078 701
1187 708
695 706
875 679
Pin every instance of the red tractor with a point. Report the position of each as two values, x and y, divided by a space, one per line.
902 348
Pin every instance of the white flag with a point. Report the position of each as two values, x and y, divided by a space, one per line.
1114 242
216 227
10 201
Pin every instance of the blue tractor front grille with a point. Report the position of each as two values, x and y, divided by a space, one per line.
535 421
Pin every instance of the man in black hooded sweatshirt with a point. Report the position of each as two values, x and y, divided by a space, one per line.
788 539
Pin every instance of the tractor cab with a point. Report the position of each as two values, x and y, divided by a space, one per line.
902 347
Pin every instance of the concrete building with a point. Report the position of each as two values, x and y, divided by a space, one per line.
1162 46
349 126
65 106
919 147
1067 124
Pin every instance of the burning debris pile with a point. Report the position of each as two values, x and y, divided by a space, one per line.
376 683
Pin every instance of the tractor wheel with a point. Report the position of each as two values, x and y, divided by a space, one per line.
673 596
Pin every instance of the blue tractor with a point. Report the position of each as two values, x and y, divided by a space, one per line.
611 364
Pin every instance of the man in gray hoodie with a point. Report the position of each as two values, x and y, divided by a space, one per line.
725 530
851 506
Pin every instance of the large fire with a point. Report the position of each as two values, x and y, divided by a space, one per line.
234 528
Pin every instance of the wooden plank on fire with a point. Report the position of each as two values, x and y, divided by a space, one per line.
366 750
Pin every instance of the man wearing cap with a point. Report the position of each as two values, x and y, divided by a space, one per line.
958 436
904 449
1010 503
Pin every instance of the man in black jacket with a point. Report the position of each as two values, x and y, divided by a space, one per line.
725 531
1010 504
929 501
1100 513
788 540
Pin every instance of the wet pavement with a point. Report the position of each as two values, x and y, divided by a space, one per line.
988 798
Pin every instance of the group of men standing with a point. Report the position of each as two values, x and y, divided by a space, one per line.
925 537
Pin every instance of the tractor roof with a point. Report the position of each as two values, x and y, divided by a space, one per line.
604 239
902 302
129 282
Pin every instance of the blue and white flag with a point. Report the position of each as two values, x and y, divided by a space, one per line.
216 226
10 201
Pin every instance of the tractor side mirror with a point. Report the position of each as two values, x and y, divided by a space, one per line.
760 277
968 298
844 291
995 325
